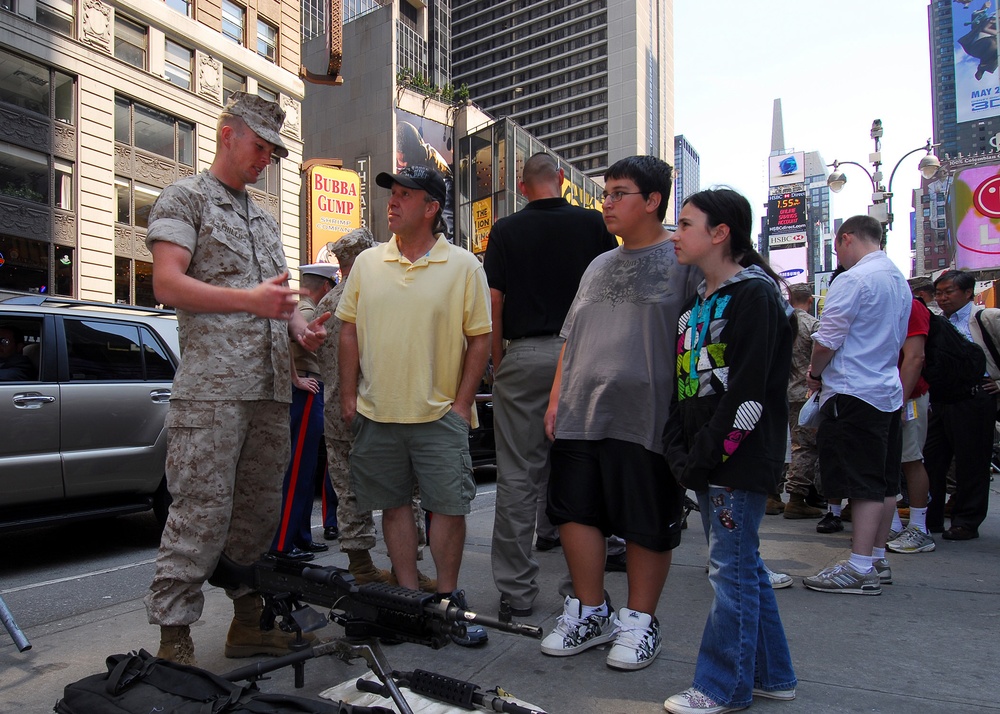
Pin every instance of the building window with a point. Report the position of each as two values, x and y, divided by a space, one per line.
24 174
232 82
267 41
154 131
56 15
177 64
267 94
8 5
233 21
134 202
130 42
134 283
181 6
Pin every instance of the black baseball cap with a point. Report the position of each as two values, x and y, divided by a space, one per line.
418 177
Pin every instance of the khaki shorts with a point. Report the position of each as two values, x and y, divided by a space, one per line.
915 431
386 460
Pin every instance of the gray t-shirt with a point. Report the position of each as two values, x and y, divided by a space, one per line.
618 368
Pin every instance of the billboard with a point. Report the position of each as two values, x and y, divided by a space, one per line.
790 263
482 224
977 86
786 215
974 213
424 142
786 168
333 204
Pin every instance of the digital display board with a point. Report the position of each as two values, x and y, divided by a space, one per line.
977 86
786 213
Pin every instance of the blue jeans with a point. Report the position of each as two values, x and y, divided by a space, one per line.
744 644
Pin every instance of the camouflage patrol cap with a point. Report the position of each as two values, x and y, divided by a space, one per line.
350 246
263 117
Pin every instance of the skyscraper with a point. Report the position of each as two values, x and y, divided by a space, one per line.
687 172
964 76
593 79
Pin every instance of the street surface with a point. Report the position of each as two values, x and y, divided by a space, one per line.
927 644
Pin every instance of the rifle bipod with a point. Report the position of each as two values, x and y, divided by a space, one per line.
369 650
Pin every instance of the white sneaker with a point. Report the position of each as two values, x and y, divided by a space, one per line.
778 580
691 701
912 540
573 633
638 640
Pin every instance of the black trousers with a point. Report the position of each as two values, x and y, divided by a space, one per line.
963 431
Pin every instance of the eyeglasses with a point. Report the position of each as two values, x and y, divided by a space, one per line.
6 341
617 196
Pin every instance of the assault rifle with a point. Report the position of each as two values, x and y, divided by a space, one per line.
368 613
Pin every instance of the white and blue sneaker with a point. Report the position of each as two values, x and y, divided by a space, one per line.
638 640
573 633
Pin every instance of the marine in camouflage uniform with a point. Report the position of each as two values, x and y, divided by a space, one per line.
803 470
218 259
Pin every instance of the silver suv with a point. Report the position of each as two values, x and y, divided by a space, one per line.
82 408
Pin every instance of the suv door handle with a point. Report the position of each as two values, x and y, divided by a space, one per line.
160 396
32 400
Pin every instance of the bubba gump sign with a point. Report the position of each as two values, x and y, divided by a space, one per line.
334 208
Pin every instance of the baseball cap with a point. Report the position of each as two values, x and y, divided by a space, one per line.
262 116
324 270
350 246
418 177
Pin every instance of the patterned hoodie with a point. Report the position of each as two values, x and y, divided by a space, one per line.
728 425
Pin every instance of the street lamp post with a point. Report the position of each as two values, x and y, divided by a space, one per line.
881 208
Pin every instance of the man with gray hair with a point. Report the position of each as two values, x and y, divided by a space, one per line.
218 259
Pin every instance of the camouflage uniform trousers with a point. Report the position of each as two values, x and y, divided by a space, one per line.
225 463
357 528
803 471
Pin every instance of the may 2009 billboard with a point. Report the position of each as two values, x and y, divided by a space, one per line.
977 86
974 204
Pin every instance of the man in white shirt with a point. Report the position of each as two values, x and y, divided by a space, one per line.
854 362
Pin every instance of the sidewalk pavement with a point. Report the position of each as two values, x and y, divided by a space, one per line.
927 644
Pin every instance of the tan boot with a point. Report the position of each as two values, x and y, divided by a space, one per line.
246 639
798 508
360 565
774 504
424 582
176 645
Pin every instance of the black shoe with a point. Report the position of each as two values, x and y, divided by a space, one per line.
295 555
960 533
544 544
314 547
830 524
331 533
475 635
507 609
815 499
615 563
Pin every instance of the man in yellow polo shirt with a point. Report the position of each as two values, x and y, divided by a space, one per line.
413 349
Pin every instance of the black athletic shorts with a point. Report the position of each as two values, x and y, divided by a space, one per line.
859 449
618 487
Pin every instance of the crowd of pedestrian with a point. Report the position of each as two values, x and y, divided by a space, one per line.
626 372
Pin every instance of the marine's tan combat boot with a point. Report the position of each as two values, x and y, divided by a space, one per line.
360 565
798 508
246 639
425 583
176 644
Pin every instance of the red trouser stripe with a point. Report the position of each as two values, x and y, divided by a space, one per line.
293 481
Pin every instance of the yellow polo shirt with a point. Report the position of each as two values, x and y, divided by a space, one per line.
412 321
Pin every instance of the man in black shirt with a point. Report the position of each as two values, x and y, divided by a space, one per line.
534 261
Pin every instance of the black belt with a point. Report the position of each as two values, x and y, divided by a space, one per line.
534 337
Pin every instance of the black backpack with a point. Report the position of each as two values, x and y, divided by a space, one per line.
953 366
138 683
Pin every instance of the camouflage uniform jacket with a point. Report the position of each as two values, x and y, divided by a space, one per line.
329 366
801 356
234 356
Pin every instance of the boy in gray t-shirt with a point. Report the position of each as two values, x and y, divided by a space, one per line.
607 410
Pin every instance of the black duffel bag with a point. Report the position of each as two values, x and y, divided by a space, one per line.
138 683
